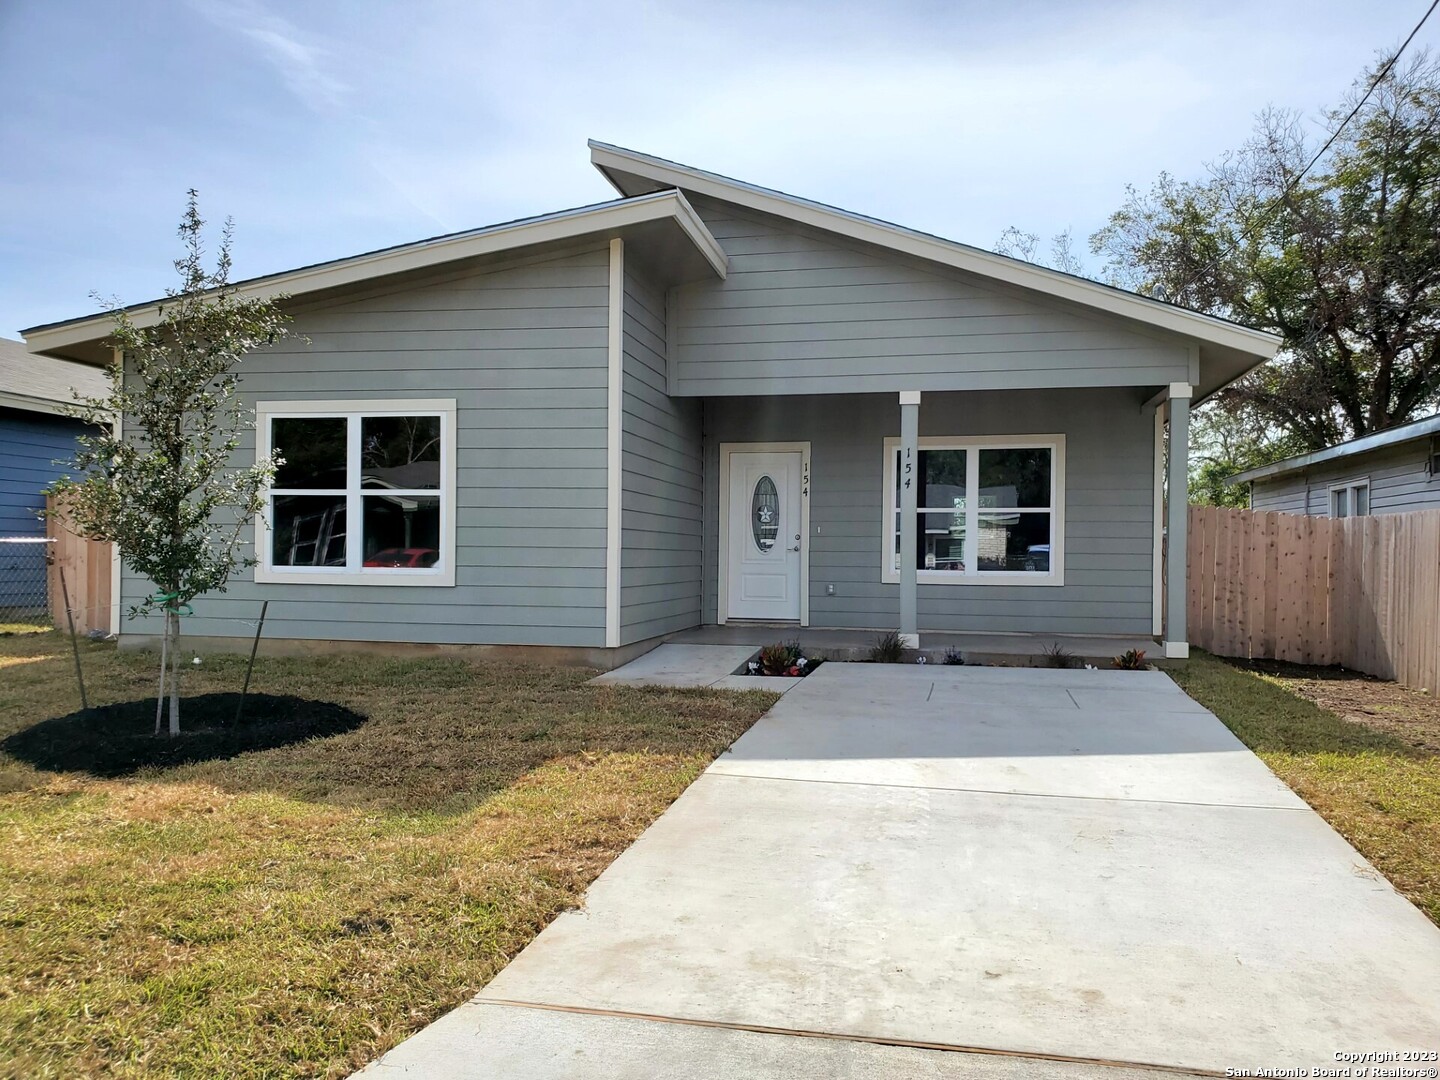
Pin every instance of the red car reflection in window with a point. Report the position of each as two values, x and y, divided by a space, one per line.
414 558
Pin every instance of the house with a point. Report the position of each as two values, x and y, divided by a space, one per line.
36 435
707 402
1389 472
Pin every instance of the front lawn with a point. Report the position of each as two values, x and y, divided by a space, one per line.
297 910
1376 778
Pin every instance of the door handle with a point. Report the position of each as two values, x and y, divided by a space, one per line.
795 548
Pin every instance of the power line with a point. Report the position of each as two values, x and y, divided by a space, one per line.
1295 180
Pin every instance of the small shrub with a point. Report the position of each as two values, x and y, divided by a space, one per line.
1057 656
1130 660
779 658
889 648
954 657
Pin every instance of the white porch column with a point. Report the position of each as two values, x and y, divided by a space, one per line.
1177 646
909 489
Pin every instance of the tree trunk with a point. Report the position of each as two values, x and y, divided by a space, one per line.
175 674
164 660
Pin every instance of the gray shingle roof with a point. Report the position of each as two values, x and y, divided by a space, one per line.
43 380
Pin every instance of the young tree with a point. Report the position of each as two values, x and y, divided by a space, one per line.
165 491
1343 261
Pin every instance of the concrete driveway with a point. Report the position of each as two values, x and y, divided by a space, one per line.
965 872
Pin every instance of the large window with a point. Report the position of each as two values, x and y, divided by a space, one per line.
988 509
364 492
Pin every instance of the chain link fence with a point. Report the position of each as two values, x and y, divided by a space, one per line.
24 580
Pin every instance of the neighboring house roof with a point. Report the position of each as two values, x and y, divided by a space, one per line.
664 222
1416 429
41 383
1228 348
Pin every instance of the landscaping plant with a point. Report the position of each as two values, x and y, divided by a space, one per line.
889 648
1130 660
783 658
1057 656
954 656
163 488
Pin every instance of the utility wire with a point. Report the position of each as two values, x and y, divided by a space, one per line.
1295 180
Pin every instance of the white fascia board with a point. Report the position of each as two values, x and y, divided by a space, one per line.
26 403
1113 301
568 224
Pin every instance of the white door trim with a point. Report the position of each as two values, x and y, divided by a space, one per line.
722 596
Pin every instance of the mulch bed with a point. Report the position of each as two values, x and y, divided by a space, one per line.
1410 715
118 740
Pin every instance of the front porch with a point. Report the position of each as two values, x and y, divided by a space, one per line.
1036 516
1015 649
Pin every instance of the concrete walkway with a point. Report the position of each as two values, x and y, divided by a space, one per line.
964 872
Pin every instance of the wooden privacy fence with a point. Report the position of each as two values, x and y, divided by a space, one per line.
87 565
1360 592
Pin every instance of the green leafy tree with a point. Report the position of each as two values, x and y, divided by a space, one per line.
1221 445
1343 262
165 490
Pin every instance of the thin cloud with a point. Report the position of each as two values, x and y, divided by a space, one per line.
302 66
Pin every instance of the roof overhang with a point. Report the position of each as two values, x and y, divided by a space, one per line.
1227 350
670 241
1419 429
30 403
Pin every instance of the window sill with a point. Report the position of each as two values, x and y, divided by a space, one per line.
929 577
265 575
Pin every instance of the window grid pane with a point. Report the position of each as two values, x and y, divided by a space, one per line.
311 450
1015 543
1015 478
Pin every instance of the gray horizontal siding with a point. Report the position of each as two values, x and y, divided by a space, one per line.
1399 483
1108 506
660 560
522 350
802 311
1288 494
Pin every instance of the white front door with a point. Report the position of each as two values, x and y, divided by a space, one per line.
764 536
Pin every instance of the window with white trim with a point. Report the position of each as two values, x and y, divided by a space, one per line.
1350 499
364 492
989 509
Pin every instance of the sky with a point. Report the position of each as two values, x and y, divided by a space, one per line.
326 128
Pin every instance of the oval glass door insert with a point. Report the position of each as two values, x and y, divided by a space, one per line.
765 514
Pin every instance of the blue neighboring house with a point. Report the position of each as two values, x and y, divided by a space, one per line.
35 434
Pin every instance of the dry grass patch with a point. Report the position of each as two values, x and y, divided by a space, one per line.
1378 784
298 910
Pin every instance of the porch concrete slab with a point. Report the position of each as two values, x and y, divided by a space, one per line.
485 1041
942 733
979 644
679 665
1155 934
960 678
